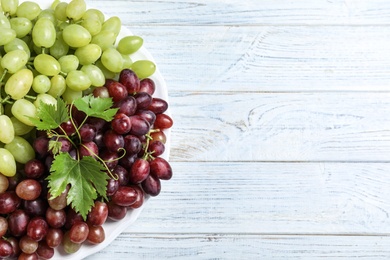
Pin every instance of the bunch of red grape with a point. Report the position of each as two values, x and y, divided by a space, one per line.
32 223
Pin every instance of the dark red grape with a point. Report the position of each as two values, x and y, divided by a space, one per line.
87 133
121 123
28 245
130 80
132 144
98 214
44 251
24 256
156 148
41 145
113 141
158 105
6 249
127 106
67 128
116 90
54 237
17 222
35 207
34 169
122 174
55 218
160 168
72 217
37 228
96 234
147 115
116 212
15 247
151 185
88 149
139 171
109 158
9 202
147 85
163 121
144 100
28 189
125 196
78 233
140 197
101 92
139 126
127 160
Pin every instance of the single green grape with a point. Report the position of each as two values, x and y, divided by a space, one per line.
20 128
143 68
17 44
57 86
9 6
93 25
107 74
59 48
71 95
6 35
95 74
78 80
19 84
112 24
29 10
94 13
68 63
130 44
45 98
21 149
41 84
48 14
7 131
105 39
60 11
112 60
23 109
4 22
46 65
127 61
88 54
76 9
7 163
44 33
14 60
76 36
21 25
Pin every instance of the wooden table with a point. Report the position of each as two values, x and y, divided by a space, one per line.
281 141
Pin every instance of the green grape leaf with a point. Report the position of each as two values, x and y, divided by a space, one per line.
87 179
96 107
55 146
50 116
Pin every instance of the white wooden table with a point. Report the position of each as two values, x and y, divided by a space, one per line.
281 141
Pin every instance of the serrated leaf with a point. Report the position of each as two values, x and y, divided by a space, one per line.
96 107
55 146
87 179
50 116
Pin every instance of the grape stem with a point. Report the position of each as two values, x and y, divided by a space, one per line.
3 75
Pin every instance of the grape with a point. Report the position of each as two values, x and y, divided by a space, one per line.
116 90
94 13
92 24
9 6
44 251
78 233
147 85
45 98
78 80
109 158
116 212
156 148
94 74
59 48
41 84
19 127
44 32
21 25
21 149
23 109
125 196
15 247
17 44
58 202
41 145
4 22
122 175
104 39
112 60
7 131
6 35
88 149
96 234
60 11
7 163
4 183
72 218
132 144
129 44
19 84
28 9
151 185
46 64
28 189
140 197
158 105
68 63
67 128
143 68
37 228
112 24
163 121
54 237
130 80
4 225
139 171
148 115
28 245
76 9
127 106
100 92
14 60
69 246
88 54
144 100
24 256
35 207
113 141
139 126
17 222
121 123
87 133
5 248
57 86
76 36
112 186
98 214
127 61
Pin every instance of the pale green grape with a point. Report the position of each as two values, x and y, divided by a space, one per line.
94 13
14 60
127 61
60 48
143 68
7 163
58 86
78 80
88 54
49 14
54 4
6 35
71 95
105 39
21 149
112 60
9 6
7 131
46 65
129 44
112 24
19 84
28 9
41 84
45 98
20 128
76 9
4 22
107 74
21 25
95 75
68 63
93 25
44 33
76 36
60 11
23 109
17 44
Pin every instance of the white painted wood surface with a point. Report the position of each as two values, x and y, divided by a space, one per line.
281 142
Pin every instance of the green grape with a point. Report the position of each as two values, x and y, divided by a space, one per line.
104 39
19 84
47 65
78 80
49 14
93 25
71 95
45 98
94 13
14 60
88 54
68 63
41 84
129 44
21 25
143 68
58 86
17 44
6 35
60 48
4 22
7 163
112 24
112 60
23 109
9 6
95 75
76 9
54 4
44 33
107 74
21 149
76 36
20 128
29 10
7 131
60 11
127 61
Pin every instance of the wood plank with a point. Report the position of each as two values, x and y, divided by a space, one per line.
271 198
269 58
252 12
242 246
280 126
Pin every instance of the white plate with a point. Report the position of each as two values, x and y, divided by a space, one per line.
113 229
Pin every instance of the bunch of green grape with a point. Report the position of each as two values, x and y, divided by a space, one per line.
63 51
